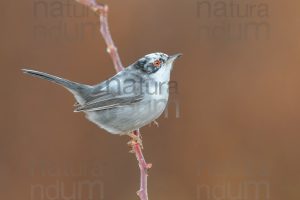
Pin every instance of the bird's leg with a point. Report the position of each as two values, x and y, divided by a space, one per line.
135 139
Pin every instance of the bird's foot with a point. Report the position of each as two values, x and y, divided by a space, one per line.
135 140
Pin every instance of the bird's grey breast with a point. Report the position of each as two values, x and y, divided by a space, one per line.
137 101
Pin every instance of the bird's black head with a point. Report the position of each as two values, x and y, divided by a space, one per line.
151 63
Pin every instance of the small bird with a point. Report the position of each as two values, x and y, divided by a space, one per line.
133 98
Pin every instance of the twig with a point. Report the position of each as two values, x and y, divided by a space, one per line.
144 166
102 11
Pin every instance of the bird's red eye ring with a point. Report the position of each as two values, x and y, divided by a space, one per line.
157 63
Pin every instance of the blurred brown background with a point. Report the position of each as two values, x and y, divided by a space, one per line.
237 136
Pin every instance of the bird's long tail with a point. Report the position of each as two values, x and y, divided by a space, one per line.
78 90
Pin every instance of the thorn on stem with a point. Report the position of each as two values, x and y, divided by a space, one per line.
139 193
111 48
132 151
105 7
149 166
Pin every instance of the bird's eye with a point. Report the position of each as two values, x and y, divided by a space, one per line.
157 63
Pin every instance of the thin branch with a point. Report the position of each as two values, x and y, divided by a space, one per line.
143 192
102 11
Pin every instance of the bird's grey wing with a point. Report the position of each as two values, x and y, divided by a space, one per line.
103 104
112 93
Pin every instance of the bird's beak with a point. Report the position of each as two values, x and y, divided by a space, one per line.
174 57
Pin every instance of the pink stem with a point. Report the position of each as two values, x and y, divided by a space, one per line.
102 10
143 192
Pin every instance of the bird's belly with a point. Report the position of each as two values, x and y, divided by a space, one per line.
122 120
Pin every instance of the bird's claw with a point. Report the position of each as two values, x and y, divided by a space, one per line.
135 140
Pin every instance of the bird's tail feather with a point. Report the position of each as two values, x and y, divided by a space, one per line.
79 90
